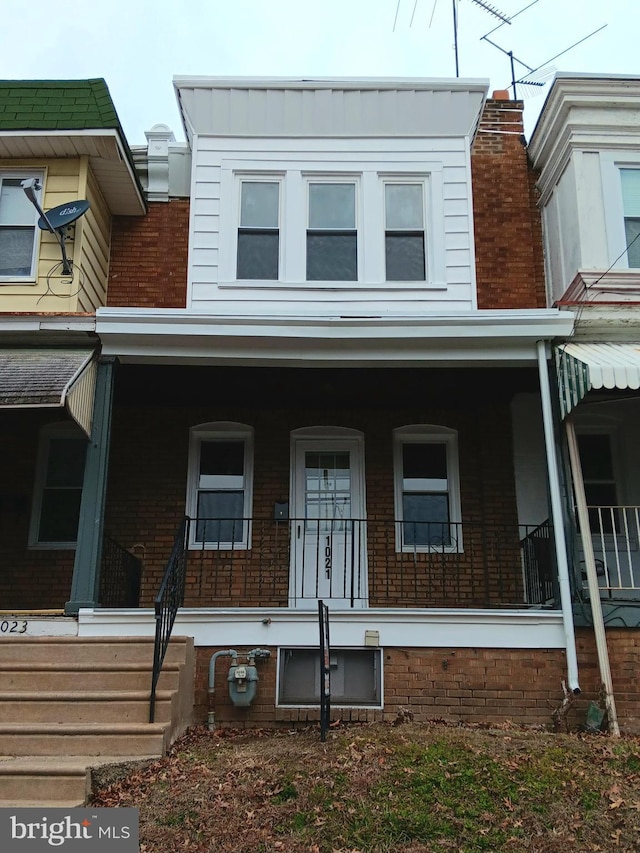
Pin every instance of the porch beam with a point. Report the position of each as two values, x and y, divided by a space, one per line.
558 521
592 577
85 584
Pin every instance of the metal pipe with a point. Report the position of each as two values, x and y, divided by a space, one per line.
232 653
592 577
558 523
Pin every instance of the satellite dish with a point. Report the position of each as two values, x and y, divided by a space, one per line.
63 215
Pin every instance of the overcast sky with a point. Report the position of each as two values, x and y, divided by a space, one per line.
139 45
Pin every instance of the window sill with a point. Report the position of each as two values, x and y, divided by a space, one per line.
27 281
361 286
52 546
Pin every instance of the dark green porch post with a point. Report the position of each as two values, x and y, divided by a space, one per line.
86 568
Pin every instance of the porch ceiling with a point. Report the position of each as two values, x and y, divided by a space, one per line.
37 378
583 367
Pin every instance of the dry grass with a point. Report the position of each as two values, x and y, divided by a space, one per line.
375 788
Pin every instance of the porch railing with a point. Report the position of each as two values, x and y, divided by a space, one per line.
539 566
374 562
120 575
615 535
169 598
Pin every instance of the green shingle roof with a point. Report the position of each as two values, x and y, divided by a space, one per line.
56 105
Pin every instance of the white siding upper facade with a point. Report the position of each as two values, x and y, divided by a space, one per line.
586 145
368 172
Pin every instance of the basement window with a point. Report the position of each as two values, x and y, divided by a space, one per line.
356 677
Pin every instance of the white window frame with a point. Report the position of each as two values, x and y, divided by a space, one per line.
21 175
266 178
294 175
612 165
423 182
48 433
219 431
352 179
428 434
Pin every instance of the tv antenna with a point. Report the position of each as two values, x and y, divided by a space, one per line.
57 219
488 7
529 70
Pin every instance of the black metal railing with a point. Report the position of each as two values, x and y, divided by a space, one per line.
120 575
167 602
373 562
539 567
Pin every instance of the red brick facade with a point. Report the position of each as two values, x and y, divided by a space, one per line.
148 267
148 477
508 230
456 685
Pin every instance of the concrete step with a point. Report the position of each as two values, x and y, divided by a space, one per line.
54 676
65 739
56 781
92 650
79 706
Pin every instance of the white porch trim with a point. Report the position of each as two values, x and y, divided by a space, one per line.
336 336
401 628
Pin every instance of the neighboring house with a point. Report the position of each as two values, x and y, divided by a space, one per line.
65 136
587 148
331 350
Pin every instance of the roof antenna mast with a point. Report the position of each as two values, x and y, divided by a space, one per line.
488 7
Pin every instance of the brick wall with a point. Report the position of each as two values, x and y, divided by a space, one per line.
508 232
148 477
148 267
455 685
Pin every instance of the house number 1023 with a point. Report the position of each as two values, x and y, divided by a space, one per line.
13 626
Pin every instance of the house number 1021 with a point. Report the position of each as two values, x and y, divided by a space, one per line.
327 557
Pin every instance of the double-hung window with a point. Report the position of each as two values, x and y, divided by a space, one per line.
259 230
220 483
332 235
426 489
631 206
18 219
58 487
404 236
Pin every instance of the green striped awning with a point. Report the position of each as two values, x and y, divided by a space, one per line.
586 366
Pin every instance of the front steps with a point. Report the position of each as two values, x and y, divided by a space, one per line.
68 704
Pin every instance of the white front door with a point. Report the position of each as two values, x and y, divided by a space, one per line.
328 547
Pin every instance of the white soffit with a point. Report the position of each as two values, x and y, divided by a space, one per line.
330 108
49 378
583 367
106 155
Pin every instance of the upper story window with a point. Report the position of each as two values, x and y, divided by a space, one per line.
259 230
631 206
18 219
219 494
332 237
427 491
404 236
296 227
58 487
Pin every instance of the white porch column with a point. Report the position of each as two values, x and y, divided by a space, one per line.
558 522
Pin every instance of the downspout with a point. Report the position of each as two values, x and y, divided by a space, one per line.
559 538
592 578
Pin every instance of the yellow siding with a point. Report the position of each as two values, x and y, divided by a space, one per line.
65 181
94 247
